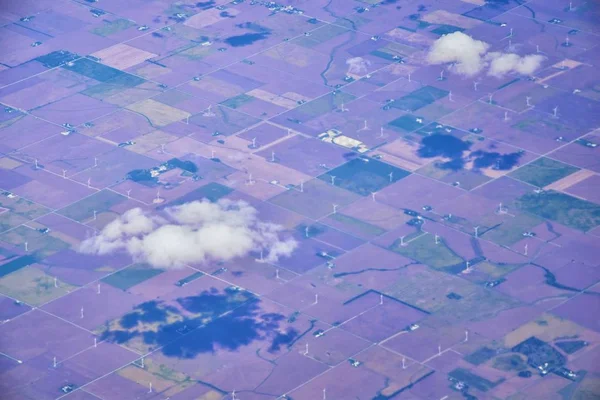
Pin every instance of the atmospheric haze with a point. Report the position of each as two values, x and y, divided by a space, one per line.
469 57
194 232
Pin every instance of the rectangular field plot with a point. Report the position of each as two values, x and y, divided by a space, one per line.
32 286
543 171
562 208
131 276
364 178
419 98
424 250
99 202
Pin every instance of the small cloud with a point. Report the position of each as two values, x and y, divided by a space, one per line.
505 63
358 66
460 49
195 232
469 57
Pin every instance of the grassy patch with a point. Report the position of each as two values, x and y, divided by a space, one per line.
473 380
406 123
39 244
132 276
56 58
511 230
101 201
363 227
237 101
571 346
480 356
325 104
424 250
94 70
212 191
112 27
510 362
32 286
419 98
562 208
17 264
362 177
543 171
446 29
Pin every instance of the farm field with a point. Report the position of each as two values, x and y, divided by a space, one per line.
299 200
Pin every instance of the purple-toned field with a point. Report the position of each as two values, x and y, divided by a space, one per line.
310 272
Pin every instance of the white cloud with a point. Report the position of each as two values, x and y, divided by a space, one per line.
468 57
462 50
358 66
195 232
505 63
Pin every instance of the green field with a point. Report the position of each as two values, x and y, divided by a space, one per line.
321 35
56 58
238 101
358 226
424 250
510 362
480 356
132 276
511 230
23 207
113 86
39 244
325 104
406 123
562 208
211 191
94 70
473 380
446 29
543 172
17 264
33 286
419 98
9 219
362 177
101 201
112 27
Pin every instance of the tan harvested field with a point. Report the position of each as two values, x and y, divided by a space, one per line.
208 17
569 64
568 181
444 17
9 163
143 377
547 327
410 37
152 71
217 86
273 98
123 56
291 54
403 153
151 141
258 166
159 114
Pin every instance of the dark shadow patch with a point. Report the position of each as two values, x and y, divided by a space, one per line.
447 146
246 39
234 320
282 339
484 159
204 5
